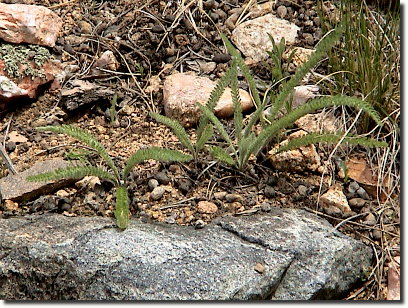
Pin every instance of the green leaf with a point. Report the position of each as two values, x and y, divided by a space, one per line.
314 138
84 137
236 100
122 207
221 155
206 135
75 172
156 153
177 129
323 47
271 130
210 115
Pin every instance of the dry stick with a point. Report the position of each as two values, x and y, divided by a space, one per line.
6 159
177 204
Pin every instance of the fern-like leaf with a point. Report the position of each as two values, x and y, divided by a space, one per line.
217 123
74 172
177 129
314 138
245 69
323 47
215 96
206 135
236 100
270 131
84 137
122 207
221 155
156 153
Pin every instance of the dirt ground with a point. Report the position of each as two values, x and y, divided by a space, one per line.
152 39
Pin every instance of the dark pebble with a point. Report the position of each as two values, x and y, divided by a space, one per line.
272 180
184 185
266 207
221 58
157 29
162 178
170 18
10 146
269 191
65 207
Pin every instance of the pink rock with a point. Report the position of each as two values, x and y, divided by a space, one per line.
303 158
33 24
26 86
182 91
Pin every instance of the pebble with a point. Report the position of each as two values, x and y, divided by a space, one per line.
233 198
162 178
206 207
272 180
184 185
377 234
281 11
10 146
333 211
175 169
266 207
357 202
260 268
308 38
362 193
353 186
199 224
220 195
269 191
152 184
157 29
370 220
157 193
221 58
302 189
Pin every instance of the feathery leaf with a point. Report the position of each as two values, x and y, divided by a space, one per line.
313 138
156 153
122 207
210 115
74 172
206 135
84 137
221 155
236 100
177 129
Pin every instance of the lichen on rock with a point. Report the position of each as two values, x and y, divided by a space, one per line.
23 60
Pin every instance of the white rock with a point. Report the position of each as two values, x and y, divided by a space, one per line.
317 122
300 55
335 197
301 159
9 89
182 91
251 37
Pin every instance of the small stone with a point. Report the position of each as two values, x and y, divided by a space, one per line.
333 211
10 146
377 234
157 193
199 224
335 197
206 207
85 27
65 207
269 192
162 178
184 185
152 184
260 268
175 169
272 180
302 189
370 220
266 207
357 202
281 11
363 194
221 58
233 198
220 195
157 29
353 187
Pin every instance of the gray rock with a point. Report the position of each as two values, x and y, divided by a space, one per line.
233 198
162 177
157 193
363 194
357 202
53 257
15 187
152 184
